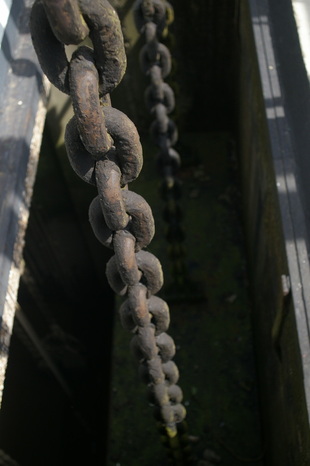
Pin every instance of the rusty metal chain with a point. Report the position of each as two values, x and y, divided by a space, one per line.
104 149
152 17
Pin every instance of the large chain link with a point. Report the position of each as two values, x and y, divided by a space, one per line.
152 17
104 149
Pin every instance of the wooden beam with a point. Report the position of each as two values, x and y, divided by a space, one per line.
276 225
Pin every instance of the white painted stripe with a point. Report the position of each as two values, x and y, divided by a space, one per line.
302 16
5 7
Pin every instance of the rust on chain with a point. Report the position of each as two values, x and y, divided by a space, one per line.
152 41
161 94
46 46
156 80
141 223
127 143
66 20
162 395
137 310
152 371
175 393
134 311
166 346
150 10
150 32
159 310
164 138
114 278
126 317
171 372
158 394
163 59
98 224
173 414
160 112
138 305
124 248
126 147
147 9
84 88
152 275
155 61
81 161
107 38
143 344
108 177
152 272
105 33
157 83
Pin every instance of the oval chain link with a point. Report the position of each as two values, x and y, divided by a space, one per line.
152 17
104 149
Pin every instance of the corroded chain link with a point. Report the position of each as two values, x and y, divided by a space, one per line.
152 18
104 149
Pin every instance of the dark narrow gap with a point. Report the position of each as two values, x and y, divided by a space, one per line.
69 308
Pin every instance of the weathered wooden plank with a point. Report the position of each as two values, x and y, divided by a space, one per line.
277 240
22 115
